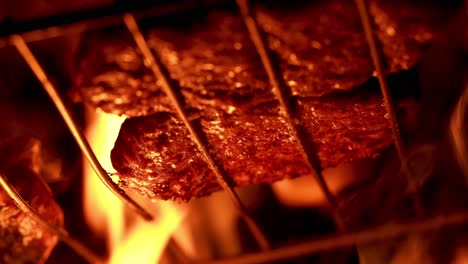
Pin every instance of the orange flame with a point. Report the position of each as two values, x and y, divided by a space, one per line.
99 202
130 238
154 235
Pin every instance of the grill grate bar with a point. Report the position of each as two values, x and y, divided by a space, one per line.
389 104
171 92
345 240
72 126
279 89
88 20
381 75
73 243
458 131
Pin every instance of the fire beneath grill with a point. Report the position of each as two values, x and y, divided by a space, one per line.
130 238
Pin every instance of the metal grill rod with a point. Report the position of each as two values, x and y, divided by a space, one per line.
346 240
279 89
72 126
389 104
73 243
458 134
170 91
84 21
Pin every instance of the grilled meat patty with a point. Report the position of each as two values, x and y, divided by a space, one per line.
322 52
156 155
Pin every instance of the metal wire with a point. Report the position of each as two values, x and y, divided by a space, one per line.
345 240
381 75
376 56
86 22
458 133
77 134
73 243
279 89
171 92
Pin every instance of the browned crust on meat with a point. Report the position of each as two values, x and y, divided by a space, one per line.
321 50
156 156
319 46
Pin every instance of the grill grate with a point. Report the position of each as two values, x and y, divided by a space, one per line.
177 104
286 252
279 90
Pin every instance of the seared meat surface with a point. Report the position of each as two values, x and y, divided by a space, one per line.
156 155
322 53
320 47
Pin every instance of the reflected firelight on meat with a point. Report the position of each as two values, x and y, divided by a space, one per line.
130 238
